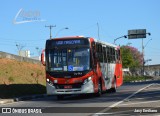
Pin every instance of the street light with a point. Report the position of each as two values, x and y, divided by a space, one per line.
19 47
125 36
38 51
60 31
148 60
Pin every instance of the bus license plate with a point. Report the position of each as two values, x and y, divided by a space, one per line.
68 87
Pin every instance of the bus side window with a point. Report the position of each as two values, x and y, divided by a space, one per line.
97 51
119 55
111 55
106 59
97 48
116 55
104 54
108 54
100 53
111 59
114 58
93 47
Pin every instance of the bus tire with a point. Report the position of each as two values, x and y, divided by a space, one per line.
60 97
98 94
113 89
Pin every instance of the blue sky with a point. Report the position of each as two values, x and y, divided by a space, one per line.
115 18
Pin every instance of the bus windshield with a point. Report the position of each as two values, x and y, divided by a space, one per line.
70 59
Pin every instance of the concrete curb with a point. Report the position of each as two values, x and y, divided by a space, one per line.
24 98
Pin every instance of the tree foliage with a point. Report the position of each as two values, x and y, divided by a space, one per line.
131 57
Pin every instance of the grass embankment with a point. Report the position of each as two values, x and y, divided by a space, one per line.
136 78
21 78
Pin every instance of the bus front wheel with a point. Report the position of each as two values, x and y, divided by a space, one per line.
113 89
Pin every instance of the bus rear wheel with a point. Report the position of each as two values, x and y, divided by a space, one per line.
113 89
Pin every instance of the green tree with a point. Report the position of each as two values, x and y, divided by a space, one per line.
131 57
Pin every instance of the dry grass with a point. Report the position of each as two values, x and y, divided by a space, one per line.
21 78
15 72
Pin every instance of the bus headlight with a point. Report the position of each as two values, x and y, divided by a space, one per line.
49 82
87 80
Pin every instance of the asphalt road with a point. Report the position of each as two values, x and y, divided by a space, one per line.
130 99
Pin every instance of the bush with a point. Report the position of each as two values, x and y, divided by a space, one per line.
136 78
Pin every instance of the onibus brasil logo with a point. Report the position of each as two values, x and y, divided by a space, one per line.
23 16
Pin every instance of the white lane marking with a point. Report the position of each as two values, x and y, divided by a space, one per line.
140 103
157 88
116 104
140 98
144 94
113 113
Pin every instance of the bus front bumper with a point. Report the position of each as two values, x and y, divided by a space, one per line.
85 88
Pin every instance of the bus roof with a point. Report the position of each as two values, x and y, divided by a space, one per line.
69 37
105 43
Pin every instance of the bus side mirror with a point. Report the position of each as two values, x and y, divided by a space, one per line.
43 58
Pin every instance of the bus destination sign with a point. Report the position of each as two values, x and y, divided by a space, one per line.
69 42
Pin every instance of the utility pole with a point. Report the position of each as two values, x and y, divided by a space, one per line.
60 30
50 27
142 58
143 46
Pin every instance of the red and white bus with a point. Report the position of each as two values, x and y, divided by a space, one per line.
81 65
